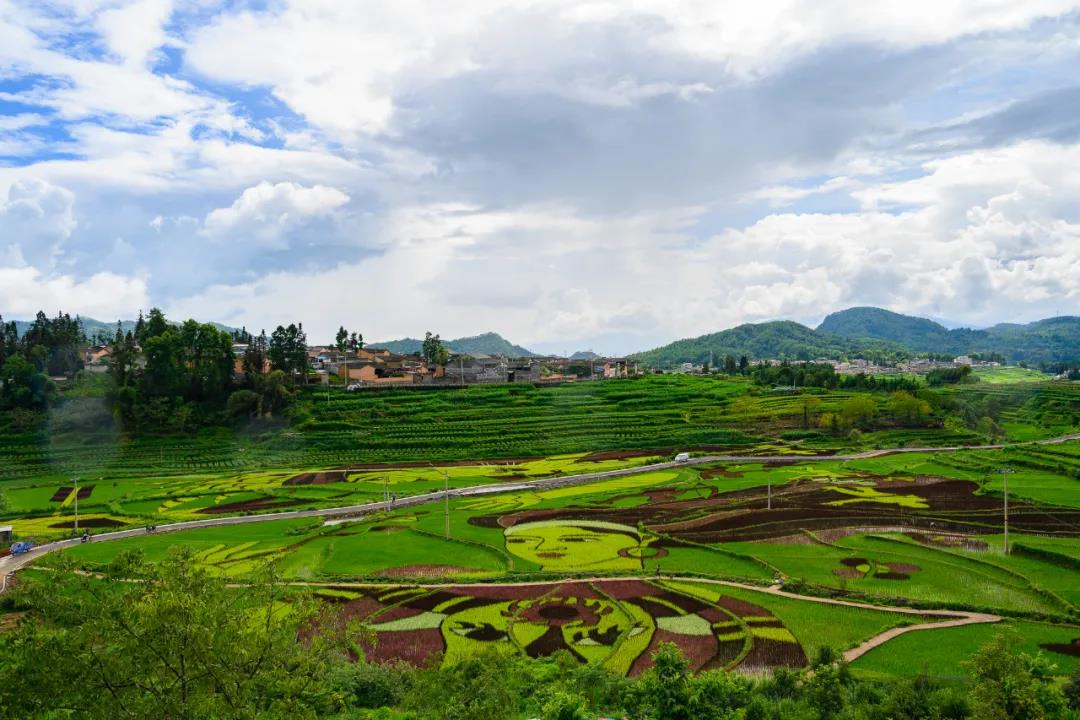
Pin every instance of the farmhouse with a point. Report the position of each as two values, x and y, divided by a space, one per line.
383 368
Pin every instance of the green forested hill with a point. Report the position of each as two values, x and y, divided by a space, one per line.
488 343
777 339
1051 340
914 332
876 334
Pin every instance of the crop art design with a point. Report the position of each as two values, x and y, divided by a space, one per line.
616 623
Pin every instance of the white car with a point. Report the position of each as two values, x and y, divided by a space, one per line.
682 457
353 387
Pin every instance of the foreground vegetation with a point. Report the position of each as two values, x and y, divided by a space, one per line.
177 643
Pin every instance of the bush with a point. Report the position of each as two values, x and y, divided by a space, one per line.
564 706
243 403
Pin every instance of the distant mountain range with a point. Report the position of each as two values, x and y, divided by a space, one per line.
488 344
877 334
865 332
1054 339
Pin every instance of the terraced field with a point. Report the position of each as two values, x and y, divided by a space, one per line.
666 413
608 569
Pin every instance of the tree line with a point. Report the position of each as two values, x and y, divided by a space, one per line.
161 375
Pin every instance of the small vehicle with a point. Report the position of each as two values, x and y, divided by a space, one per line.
20 548
682 457
86 536
353 387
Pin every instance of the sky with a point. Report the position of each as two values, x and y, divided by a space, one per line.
571 174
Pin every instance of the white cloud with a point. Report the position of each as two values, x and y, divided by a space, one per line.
104 295
546 273
267 212
555 170
134 30
780 195
35 220
343 65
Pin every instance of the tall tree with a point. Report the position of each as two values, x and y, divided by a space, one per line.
341 340
156 325
433 351
254 360
288 350
9 340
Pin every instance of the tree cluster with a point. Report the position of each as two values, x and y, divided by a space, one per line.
49 347
168 377
950 376
346 341
823 375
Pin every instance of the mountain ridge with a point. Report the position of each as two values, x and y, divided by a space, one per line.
877 334
489 343
1054 339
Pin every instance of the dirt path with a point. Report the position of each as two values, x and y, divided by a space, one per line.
878 640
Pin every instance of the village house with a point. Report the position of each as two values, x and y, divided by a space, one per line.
381 367
96 358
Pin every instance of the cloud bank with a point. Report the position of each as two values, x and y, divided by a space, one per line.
606 175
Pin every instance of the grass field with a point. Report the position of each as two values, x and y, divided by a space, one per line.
1009 374
941 653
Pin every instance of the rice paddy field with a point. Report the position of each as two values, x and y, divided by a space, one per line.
607 570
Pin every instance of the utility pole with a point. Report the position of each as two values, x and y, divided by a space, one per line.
446 501
768 505
75 479
1005 472
385 488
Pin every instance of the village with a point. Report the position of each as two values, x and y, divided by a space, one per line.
373 367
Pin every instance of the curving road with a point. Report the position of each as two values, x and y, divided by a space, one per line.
12 564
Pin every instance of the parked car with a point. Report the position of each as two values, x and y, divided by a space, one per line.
353 387
682 457
21 547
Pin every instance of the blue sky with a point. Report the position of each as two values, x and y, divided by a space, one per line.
605 175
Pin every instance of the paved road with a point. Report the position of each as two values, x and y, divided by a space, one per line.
12 564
